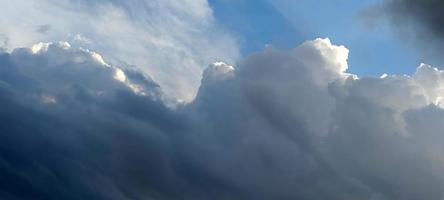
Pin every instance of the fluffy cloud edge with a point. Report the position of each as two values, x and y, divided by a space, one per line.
294 119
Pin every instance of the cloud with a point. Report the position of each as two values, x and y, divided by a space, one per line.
43 28
281 125
427 14
419 22
167 39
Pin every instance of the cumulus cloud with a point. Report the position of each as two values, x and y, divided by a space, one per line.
167 39
281 125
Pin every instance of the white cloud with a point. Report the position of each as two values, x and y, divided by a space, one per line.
170 40
303 113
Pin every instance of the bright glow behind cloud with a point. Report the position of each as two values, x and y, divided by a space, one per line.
170 40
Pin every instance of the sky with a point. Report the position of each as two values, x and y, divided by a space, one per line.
284 23
221 99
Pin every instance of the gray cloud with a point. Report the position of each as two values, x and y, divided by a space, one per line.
419 22
42 29
282 125
427 14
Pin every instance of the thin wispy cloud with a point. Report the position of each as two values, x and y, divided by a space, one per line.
169 40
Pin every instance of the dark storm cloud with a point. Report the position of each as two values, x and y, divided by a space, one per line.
427 14
419 22
71 131
284 125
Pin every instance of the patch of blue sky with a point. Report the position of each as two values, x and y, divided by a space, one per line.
256 23
374 50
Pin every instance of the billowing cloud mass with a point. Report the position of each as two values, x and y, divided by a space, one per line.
281 125
171 40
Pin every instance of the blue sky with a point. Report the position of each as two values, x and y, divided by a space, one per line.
374 50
